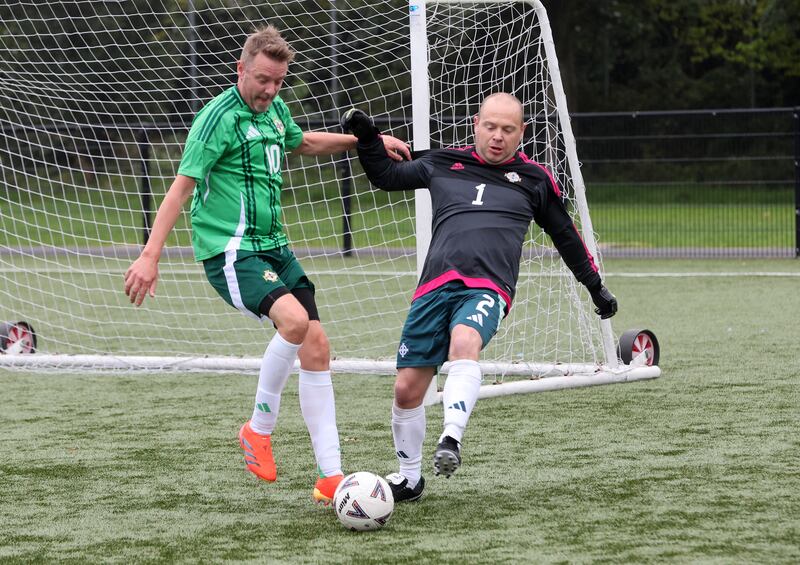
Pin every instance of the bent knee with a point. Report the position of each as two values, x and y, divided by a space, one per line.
316 350
465 343
318 341
410 389
294 328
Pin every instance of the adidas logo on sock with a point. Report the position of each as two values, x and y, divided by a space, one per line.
264 407
402 455
459 406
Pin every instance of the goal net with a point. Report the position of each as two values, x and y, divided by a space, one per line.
96 101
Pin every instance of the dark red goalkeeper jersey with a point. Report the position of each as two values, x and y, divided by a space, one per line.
481 215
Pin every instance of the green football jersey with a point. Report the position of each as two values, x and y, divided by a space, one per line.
236 157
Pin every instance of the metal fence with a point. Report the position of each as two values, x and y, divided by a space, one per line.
682 184
707 183
710 183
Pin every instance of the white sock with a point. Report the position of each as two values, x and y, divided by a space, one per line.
276 365
408 429
459 396
319 412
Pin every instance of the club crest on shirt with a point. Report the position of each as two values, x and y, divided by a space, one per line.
269 276
278 124
513 177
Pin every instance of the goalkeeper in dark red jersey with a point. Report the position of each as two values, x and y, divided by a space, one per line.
484 197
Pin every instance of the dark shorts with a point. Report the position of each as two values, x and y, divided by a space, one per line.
425 341
245 278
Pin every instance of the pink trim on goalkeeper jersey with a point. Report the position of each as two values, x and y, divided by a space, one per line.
469 282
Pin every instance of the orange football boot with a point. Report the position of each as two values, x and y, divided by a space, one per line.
325 489
258 453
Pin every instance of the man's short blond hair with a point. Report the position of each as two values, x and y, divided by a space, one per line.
269 41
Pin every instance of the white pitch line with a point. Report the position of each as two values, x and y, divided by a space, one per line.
197 272
707 274
340 273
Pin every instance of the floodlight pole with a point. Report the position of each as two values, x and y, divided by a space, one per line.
346 188
796 115
145 189
193 80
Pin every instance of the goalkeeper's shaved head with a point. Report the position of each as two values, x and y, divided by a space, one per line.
269 41
498 127
502 98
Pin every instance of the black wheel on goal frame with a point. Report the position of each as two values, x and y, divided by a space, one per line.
633 342
17 337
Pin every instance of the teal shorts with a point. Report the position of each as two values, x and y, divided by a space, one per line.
245 278
425 341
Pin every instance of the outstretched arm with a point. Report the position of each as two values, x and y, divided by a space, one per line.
324 143
382 171
555 220
141 277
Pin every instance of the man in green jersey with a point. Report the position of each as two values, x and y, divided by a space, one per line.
232 166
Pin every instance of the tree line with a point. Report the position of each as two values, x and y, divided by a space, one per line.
623 55
161 57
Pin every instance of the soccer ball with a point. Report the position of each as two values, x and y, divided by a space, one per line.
363 501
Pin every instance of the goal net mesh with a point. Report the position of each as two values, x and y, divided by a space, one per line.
95 105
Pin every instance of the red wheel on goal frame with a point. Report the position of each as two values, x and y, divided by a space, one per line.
633 342
16 338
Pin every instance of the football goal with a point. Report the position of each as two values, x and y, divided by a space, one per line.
97 98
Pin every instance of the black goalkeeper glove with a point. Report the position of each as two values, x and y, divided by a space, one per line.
605 301
360 124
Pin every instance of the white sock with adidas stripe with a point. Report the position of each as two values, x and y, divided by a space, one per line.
459 396
319 412
276 366
408 430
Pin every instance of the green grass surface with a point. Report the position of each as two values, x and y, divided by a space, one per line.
695 226
700 465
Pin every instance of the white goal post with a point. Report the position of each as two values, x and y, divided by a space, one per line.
96 102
